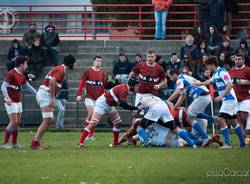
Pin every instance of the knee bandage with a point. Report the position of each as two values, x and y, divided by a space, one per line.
116 119
47 114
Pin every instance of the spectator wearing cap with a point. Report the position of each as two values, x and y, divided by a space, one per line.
244 50
50 41
30 36
122 68
14 51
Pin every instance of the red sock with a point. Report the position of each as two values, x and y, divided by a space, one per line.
116 137
85 133
91 133
14 137
6 137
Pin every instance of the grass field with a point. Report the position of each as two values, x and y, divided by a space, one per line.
99 164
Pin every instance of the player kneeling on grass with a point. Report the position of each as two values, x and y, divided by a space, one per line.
106 103
13 83
46 96
156 110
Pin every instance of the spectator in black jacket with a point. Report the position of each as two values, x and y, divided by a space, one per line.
161 62
213 39
50 41
202 49
122 68
188 47
110 81
37 59
61 102
14 51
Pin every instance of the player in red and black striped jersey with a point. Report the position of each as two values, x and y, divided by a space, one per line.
240 75
105 104
13 83
46 96
151 77
93 80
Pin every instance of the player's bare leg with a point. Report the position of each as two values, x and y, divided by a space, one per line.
242 119
47 113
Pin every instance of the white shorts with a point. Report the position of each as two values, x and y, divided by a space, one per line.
138 96
228 107
14 108
89 102
43 97
199 105
101 107
244 106
159 111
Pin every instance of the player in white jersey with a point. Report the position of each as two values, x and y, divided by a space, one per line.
197 107
156 110
227 95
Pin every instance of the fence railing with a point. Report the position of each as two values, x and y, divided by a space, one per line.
106 21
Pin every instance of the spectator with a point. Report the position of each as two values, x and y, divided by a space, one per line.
231 8
202 49
224 61
188 47
200 68
160 61
30 36
138 59
202 15
215 14
122 68
244 50
213 39
174 63
226 47
110 81
61 101
14 51
189 63
198 35
37 59
161 8
50 40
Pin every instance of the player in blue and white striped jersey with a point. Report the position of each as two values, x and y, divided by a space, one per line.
197 107
227 95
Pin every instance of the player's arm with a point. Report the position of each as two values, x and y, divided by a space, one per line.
131 74
80 88
180 100
29 88
162 83
127 106
205 83
52 87
5 92
224 93
175 94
